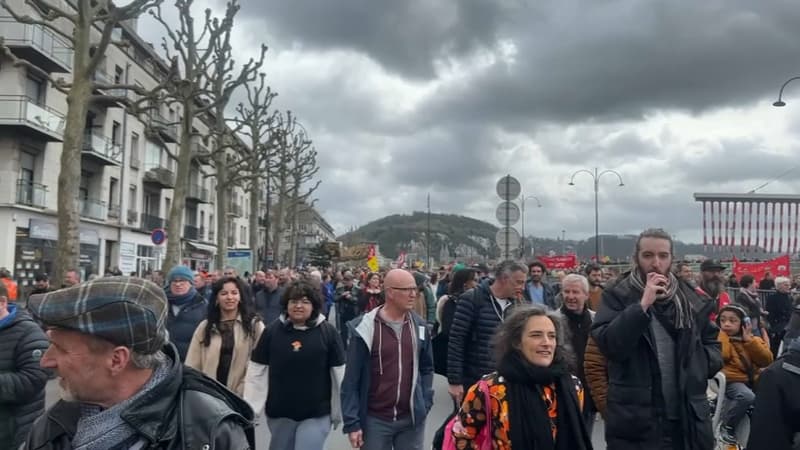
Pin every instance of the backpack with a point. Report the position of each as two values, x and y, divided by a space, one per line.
442 338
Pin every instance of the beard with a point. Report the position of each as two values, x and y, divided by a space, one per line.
713 287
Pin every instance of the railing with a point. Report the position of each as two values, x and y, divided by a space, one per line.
17 34
198 192
166 127
113 212
160 175
190 232
199 150
103 147
21 109
235 209
31 194
132 216
149 223
100 76
92 208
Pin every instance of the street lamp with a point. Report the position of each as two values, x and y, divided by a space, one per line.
596 178
538 205
779 103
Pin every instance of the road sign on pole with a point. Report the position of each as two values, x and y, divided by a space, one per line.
507 213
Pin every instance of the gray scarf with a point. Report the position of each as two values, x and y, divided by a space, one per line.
672 302
100 429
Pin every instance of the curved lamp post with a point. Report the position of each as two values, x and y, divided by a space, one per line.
522 202
780 103
596 178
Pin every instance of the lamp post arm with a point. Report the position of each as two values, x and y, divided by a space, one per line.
572 178
780 93
610 171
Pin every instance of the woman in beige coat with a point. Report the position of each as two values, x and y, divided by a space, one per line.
222 343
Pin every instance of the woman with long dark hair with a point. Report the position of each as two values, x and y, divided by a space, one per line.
222 344
296 371
371 295
534 401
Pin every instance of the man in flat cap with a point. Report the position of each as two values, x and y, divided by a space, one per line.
122 383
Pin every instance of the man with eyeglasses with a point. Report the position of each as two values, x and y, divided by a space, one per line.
388 383
187 308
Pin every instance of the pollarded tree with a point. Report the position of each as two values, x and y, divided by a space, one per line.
88 26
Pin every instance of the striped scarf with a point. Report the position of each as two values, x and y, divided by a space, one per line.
673 303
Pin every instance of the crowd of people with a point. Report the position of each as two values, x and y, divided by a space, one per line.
192 360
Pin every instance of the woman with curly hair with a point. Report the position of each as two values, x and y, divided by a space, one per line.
222 344
371 296
534 401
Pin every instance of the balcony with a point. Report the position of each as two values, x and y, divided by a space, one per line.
24 116
101 77
92 208
200 151
31 194
37 44
113 212
197 193
101 150
235 209
148 223
167 130
160 177
191 232
132 216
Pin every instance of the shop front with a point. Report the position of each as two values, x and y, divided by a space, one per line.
198 256
35 251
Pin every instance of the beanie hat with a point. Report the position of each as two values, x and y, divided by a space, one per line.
180 273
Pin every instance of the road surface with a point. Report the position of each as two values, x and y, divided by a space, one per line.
338 441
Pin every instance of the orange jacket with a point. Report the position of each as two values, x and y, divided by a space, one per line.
756 351
11 286
595 369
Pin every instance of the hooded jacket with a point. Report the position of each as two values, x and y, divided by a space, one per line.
186 411
22 379
181 326
634 402
357 378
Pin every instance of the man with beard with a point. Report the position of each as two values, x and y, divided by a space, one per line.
537 291
684 272
595 276
259 282
575 292
713 284
661 350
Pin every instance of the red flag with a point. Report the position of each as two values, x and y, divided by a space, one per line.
559 262
778 267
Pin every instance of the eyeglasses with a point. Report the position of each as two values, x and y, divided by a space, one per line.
300 301
180 280
405 290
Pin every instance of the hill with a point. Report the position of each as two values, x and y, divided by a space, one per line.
464 238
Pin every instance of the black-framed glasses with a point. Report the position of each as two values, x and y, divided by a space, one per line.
405 290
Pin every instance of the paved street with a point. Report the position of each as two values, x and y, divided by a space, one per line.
337 440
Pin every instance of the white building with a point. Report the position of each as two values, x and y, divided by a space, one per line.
127 178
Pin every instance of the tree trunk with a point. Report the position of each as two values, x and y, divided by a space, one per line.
69 176
279 217
255 187
293 226
175 224
222 206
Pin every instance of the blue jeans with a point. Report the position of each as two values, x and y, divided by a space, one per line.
739 398
401 434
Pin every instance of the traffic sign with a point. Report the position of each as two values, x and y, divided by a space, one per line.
507 239
508 188
507 213
158 236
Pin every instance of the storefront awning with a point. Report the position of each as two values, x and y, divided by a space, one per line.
203 247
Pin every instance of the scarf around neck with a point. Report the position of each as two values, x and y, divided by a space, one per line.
672 306
181 300
530 426
101 429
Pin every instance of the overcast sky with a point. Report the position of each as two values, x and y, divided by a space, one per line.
405 98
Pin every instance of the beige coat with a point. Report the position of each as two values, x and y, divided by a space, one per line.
206 359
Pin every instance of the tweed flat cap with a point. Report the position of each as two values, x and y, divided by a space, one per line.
126 311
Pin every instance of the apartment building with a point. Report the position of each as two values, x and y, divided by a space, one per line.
127 173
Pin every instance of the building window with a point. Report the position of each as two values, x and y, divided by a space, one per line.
35 90
134 150
116 133
118 75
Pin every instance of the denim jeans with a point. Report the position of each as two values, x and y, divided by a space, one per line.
400 434
739 398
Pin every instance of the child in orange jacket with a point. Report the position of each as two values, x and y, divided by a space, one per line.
744 355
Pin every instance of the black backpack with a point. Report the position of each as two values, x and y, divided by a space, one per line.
440 341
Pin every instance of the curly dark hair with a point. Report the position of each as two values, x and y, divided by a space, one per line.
300 289
460 278
246 308
509 335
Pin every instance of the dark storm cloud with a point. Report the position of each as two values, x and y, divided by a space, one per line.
623 59
407 36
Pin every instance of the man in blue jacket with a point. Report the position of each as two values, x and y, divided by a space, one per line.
388 383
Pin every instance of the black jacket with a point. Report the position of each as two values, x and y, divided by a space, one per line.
775 423
186 411
22 379
469 353
635 402
268 304
181 327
